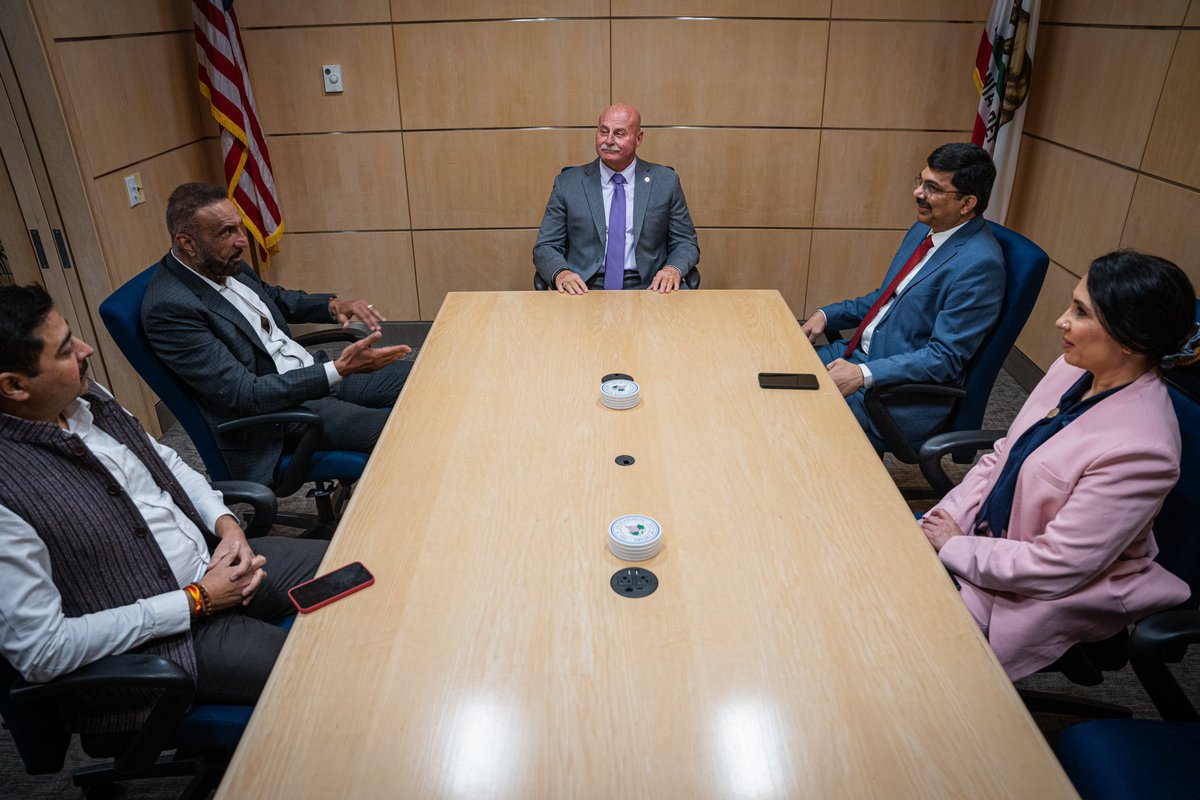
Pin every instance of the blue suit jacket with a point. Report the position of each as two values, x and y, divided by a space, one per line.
573 234
935 326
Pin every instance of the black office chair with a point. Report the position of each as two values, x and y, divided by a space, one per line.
332 471
1026 265
1114 759
691 280
1175 532
203 738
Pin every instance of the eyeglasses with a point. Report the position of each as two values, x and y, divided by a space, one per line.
929 187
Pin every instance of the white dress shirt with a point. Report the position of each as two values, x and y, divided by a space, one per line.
35 636
606 188
284 351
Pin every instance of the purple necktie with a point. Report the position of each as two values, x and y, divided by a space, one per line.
614 256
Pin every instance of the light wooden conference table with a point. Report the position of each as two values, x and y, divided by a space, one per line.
803 641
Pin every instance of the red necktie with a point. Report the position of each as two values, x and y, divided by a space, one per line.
887 293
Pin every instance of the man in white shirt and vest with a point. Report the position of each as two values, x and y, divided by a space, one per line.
224 333
110 544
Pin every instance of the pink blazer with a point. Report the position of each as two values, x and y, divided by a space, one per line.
1077 563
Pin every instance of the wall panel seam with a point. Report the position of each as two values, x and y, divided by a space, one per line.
143 35
1158 101
1126 167
673 127
1117 27
808 276
412 245
153 156
1065 268
473 228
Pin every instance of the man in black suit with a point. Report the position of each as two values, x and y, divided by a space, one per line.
224 333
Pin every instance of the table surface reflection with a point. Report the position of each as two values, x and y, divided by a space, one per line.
803 642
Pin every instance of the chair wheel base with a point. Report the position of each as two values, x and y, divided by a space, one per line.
330 497
320 532
104 783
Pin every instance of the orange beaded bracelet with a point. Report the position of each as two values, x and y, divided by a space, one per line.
205 600
195 601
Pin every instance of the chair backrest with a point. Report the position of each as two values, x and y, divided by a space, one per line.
1177 526
122 315
1026 265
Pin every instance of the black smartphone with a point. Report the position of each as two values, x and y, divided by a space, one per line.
324 589
787 380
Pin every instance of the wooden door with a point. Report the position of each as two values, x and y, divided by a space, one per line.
27 195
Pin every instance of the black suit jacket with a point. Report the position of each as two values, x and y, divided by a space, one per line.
214 351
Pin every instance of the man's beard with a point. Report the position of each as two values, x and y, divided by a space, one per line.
212 266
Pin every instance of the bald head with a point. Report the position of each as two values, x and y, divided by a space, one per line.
618 136
627 114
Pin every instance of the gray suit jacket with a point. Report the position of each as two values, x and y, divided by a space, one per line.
573 235
215 352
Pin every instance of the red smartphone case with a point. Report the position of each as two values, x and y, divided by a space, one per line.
370 579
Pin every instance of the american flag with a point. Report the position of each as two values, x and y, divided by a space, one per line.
225 82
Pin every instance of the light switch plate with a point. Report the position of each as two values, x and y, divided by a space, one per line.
133 187
332 73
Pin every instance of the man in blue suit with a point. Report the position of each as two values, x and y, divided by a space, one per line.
653 246
940 297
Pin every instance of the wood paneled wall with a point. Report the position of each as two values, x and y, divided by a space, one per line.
429 174
1110 157
795 126
787 137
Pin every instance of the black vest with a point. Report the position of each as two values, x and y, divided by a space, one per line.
102 555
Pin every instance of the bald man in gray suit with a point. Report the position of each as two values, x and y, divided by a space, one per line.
578 248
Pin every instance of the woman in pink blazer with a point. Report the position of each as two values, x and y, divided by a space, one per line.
1062 549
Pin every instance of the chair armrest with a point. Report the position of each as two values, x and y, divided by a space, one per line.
329 335
927 389
957 443
893 437
129 670
691 280
297 471
1156 639
299 416
141 670
260 499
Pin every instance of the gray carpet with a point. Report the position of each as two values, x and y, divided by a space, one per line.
1121 688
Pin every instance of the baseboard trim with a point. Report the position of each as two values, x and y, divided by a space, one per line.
165 418
1023 371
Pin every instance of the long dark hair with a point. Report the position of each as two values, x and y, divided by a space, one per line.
1144 302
